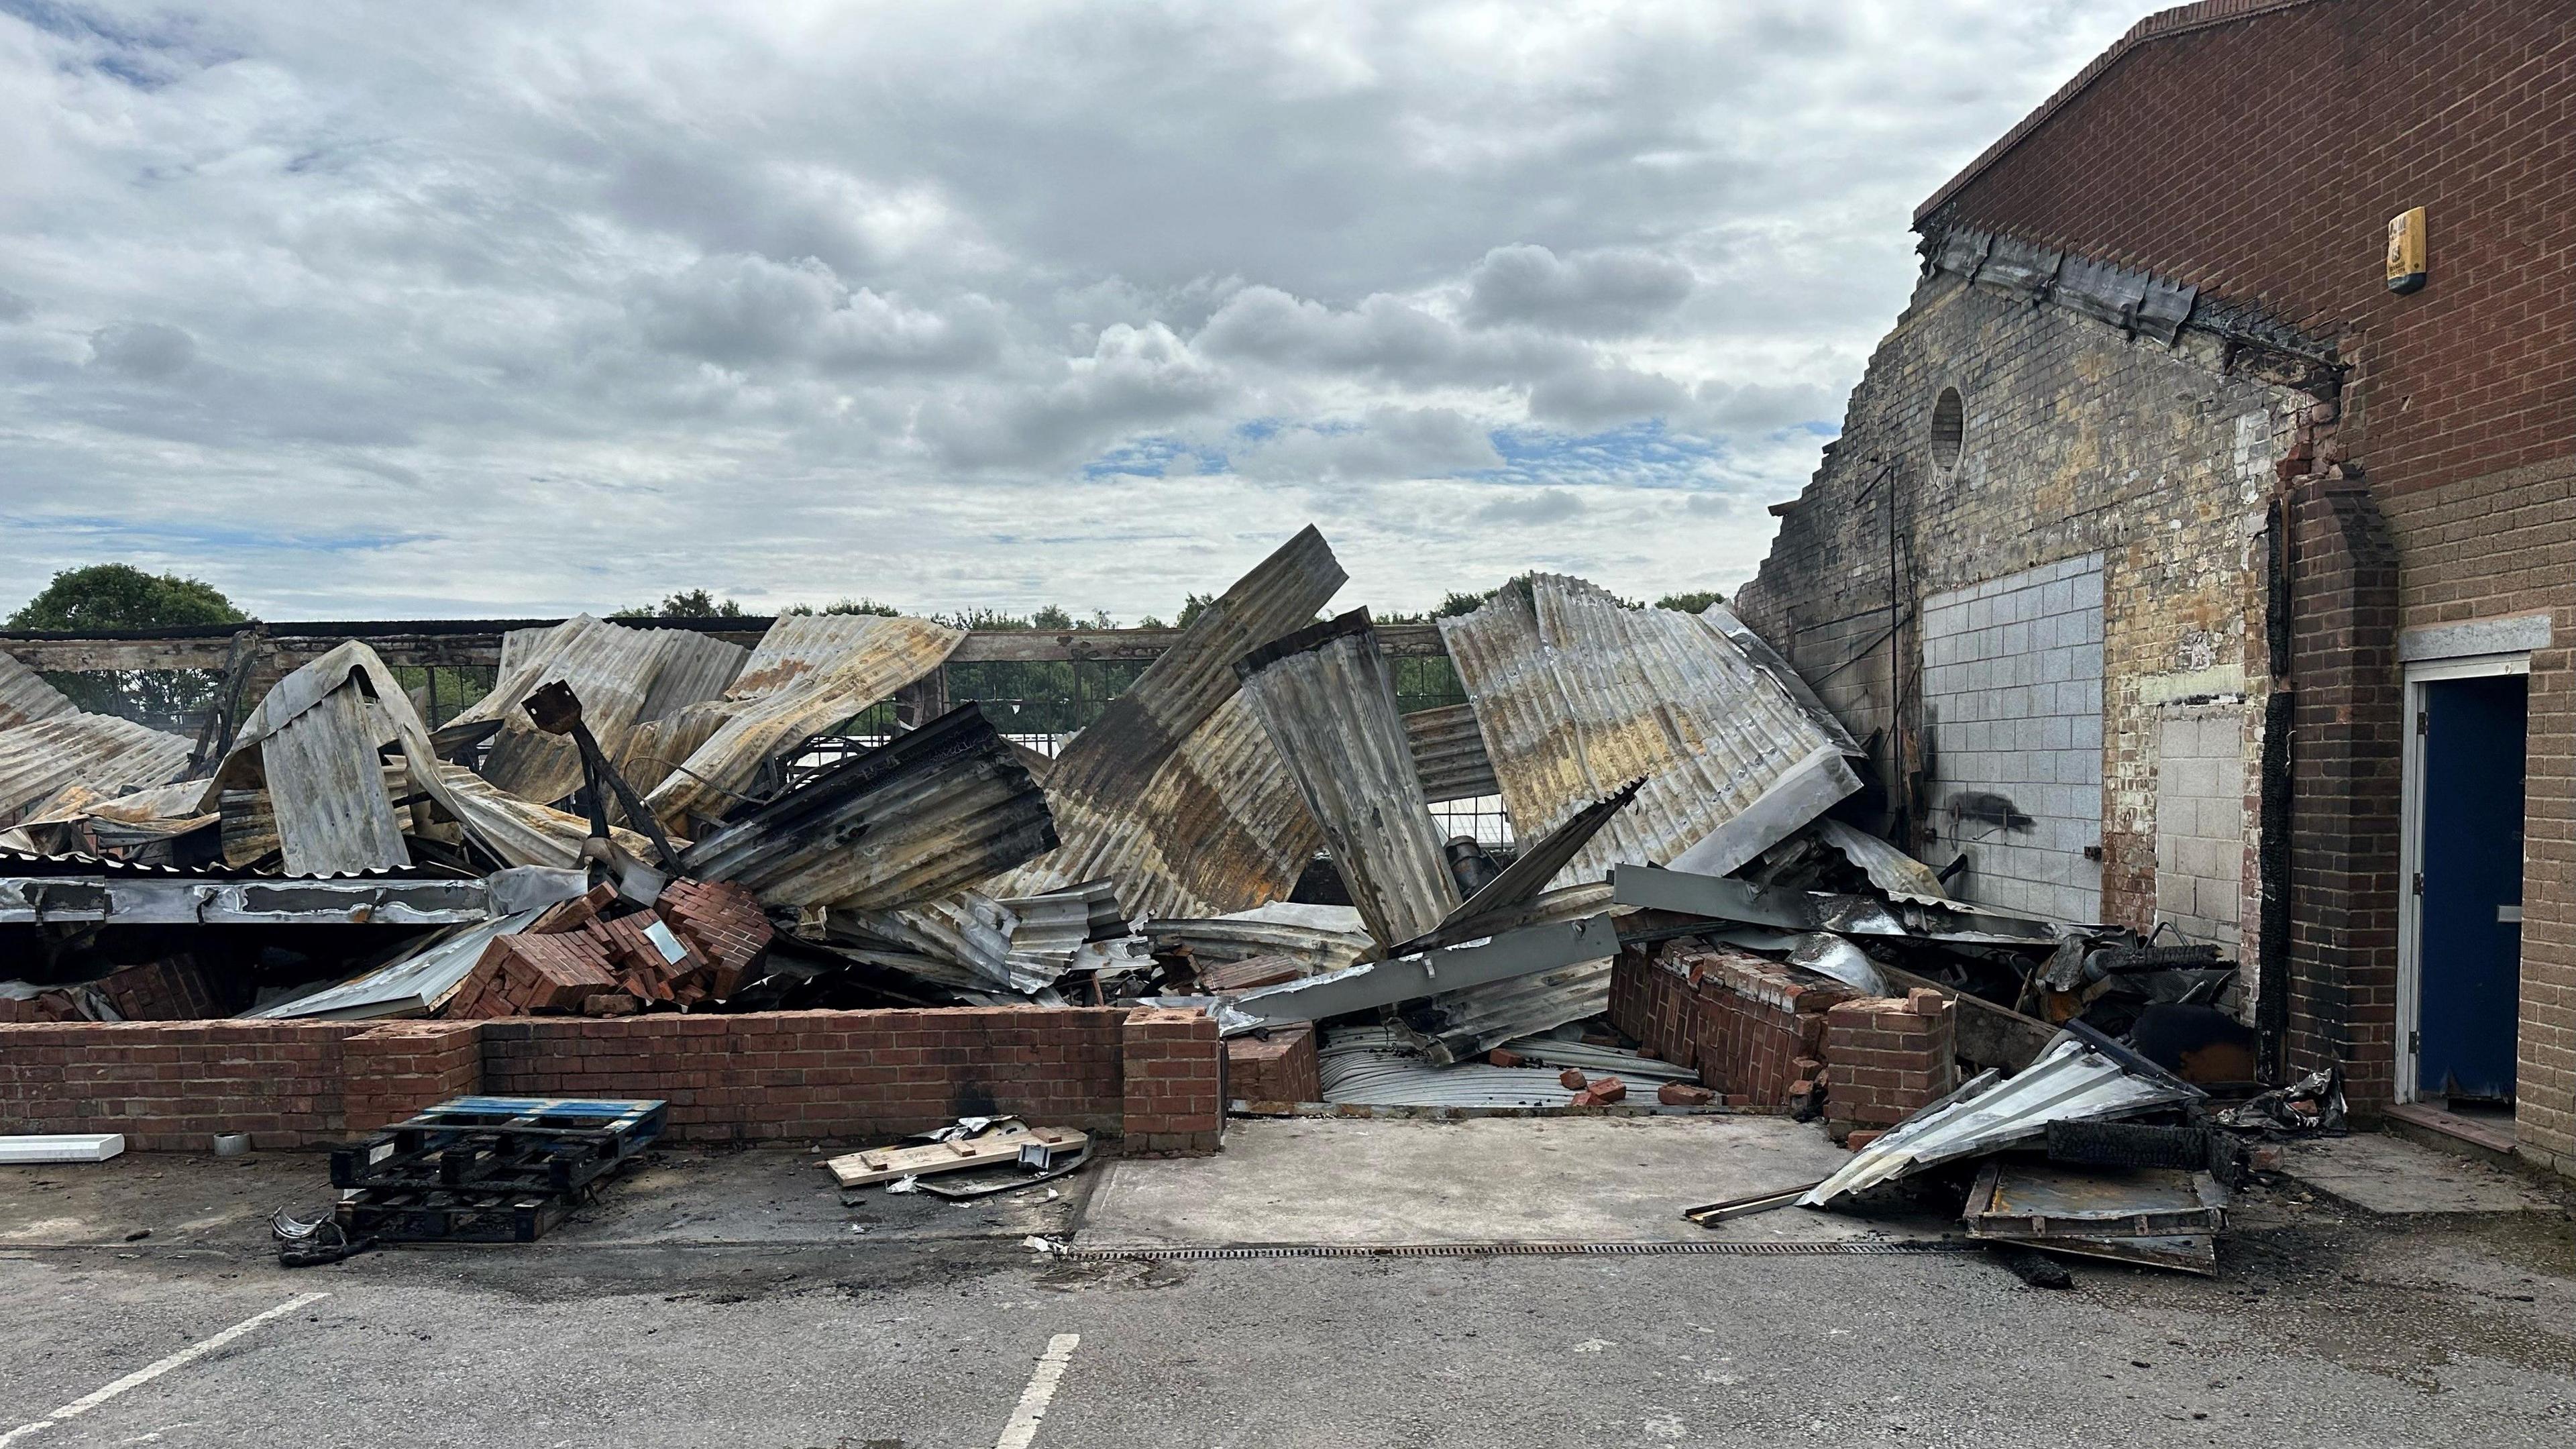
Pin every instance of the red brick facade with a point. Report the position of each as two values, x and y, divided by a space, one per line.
1887 1058
1278 1068
756 1076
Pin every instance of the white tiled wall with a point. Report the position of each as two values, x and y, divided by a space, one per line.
2200 826
2012 684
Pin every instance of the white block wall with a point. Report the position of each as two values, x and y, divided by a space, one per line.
2200 826
2012 684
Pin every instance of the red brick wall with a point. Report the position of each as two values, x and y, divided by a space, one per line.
171 1086
799 1075
823 1074
2336 117
1761 1028
1175 1082
1652 1000
1280 1069
1888 1057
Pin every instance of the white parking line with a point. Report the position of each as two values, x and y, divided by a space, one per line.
183 1357
1034 1399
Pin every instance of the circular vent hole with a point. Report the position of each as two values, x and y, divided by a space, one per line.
1949 428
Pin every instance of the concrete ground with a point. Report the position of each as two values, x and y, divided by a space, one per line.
723 1298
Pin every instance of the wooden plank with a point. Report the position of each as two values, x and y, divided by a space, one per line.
885 1164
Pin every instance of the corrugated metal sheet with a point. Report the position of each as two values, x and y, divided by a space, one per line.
623 677
326 783
1499 904
101 751
1324 938
1458 1026
1325 698
1576 695
523 832
2080 1078
1216 827
25 696
1449 753
1176 792
929 812
969 940
1888 868
415 984
1374 1066
1559 1048
808 674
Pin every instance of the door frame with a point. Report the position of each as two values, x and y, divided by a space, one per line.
2410 845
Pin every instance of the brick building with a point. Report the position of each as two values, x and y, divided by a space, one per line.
2181 570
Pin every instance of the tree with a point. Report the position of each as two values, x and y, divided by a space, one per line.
687 604
121 596
843 606
1691 601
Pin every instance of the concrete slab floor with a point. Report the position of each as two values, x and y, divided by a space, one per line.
2386 1174
1483 1180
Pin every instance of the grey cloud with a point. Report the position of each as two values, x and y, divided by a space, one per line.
1383 336
748 310
15 308
1387 445
1606 292
1135 377
1547 505
146 350
1602 397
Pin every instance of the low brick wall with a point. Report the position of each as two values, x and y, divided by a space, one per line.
1761 1025
1155 1076
1888 1057
1653 1000
1281 1068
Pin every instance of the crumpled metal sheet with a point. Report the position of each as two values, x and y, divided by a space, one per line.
931 811
1375 1066
1020 945
25 697
1176 792
39 758
1324 696
623 676
1323 938
809 673
2082 1077
416 983
1504 900
1460 1026
1888 868
1577 694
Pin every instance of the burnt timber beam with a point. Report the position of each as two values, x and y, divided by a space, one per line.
476 643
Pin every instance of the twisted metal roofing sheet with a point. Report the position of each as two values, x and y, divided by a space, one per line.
809 672
25 697
1577 694
623 677
1176 792
1324 697
1449 753
1324 938
101 751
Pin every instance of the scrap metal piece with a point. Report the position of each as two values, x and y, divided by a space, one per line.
625 677
41 756
2022 1201
1525 952
1324 696
810 672
1724 898
1492 907
25 697
182 899
556 711
1900 875
2083 1076
1176 791
416 982
1449 753
1319 938
1575 693
928 813
1374 1066
1459 1026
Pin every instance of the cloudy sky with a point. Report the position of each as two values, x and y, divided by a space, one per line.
418 309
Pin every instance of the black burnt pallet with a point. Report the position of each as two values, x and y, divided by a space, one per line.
401 1216
501 1144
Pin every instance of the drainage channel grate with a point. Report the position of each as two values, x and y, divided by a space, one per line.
1524 1250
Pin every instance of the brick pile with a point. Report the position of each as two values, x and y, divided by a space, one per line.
1888 1057
1761 1025
701 942
1280 1068
723 923
171 989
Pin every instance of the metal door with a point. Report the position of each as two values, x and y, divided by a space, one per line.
2470 882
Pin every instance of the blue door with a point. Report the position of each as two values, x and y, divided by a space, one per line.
2470 881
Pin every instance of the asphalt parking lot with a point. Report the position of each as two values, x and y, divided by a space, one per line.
730 1298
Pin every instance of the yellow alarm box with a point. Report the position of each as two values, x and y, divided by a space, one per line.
2406 250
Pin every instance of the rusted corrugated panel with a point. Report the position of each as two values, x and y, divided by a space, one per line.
1459 1025
1175 792
521 831
25 697
930 812
1449 753
809 673
333 816
623 677
1218 826
1323 938
1577 695
1324 696
101 751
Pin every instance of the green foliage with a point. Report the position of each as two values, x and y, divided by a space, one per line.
121 596
1690 601
840 606
686 604
1192 605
